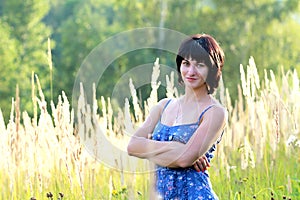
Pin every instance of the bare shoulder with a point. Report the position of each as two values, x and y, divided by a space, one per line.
157 109
161 104
219 107
218 112
151 120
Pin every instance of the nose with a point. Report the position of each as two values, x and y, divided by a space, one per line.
192 69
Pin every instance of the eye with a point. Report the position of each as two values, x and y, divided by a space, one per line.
199 65
185 62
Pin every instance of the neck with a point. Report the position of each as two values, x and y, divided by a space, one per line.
200 95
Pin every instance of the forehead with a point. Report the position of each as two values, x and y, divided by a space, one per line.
191 50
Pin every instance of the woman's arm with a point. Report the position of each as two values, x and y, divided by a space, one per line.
141 146
175 154
210 129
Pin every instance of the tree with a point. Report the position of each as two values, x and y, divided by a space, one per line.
91 23
244 29
8 64
29 35
263 29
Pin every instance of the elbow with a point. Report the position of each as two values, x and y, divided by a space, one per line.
184 162
187 159
130 148
133 147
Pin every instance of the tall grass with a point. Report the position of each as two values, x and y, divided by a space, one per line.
258 157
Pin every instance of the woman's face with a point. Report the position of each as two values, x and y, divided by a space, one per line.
193 73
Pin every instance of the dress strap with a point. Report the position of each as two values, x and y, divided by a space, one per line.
204 111
165 107
220 138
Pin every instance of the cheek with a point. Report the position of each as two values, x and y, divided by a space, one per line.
204 74
182 70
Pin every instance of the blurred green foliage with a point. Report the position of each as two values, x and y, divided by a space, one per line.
268 30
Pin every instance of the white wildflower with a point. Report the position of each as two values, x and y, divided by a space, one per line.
297 143
292 139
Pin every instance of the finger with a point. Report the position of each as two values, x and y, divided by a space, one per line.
206 161
201 164
196 167
149 136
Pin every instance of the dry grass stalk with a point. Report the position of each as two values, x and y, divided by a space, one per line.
256 118
153 99
137 110
171 89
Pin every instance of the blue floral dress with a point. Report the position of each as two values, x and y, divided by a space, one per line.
182 183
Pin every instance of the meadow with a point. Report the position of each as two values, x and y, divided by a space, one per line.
43 157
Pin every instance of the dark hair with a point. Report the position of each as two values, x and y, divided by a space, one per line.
203 48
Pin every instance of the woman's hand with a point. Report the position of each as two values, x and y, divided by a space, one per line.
201 164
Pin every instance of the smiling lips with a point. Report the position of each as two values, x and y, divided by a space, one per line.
190 79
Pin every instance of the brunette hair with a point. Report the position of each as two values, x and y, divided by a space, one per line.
203 48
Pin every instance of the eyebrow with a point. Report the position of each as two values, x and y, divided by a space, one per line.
201 63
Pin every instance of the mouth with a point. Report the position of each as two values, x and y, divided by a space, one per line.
190 79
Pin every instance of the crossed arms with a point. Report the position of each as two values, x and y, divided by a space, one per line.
175 154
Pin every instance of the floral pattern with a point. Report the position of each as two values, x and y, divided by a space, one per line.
182 183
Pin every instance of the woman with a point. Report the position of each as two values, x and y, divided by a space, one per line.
184 131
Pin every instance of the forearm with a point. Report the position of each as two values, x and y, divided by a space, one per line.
146 148
170 158
164 153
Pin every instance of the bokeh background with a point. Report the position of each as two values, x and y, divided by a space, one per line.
44 43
